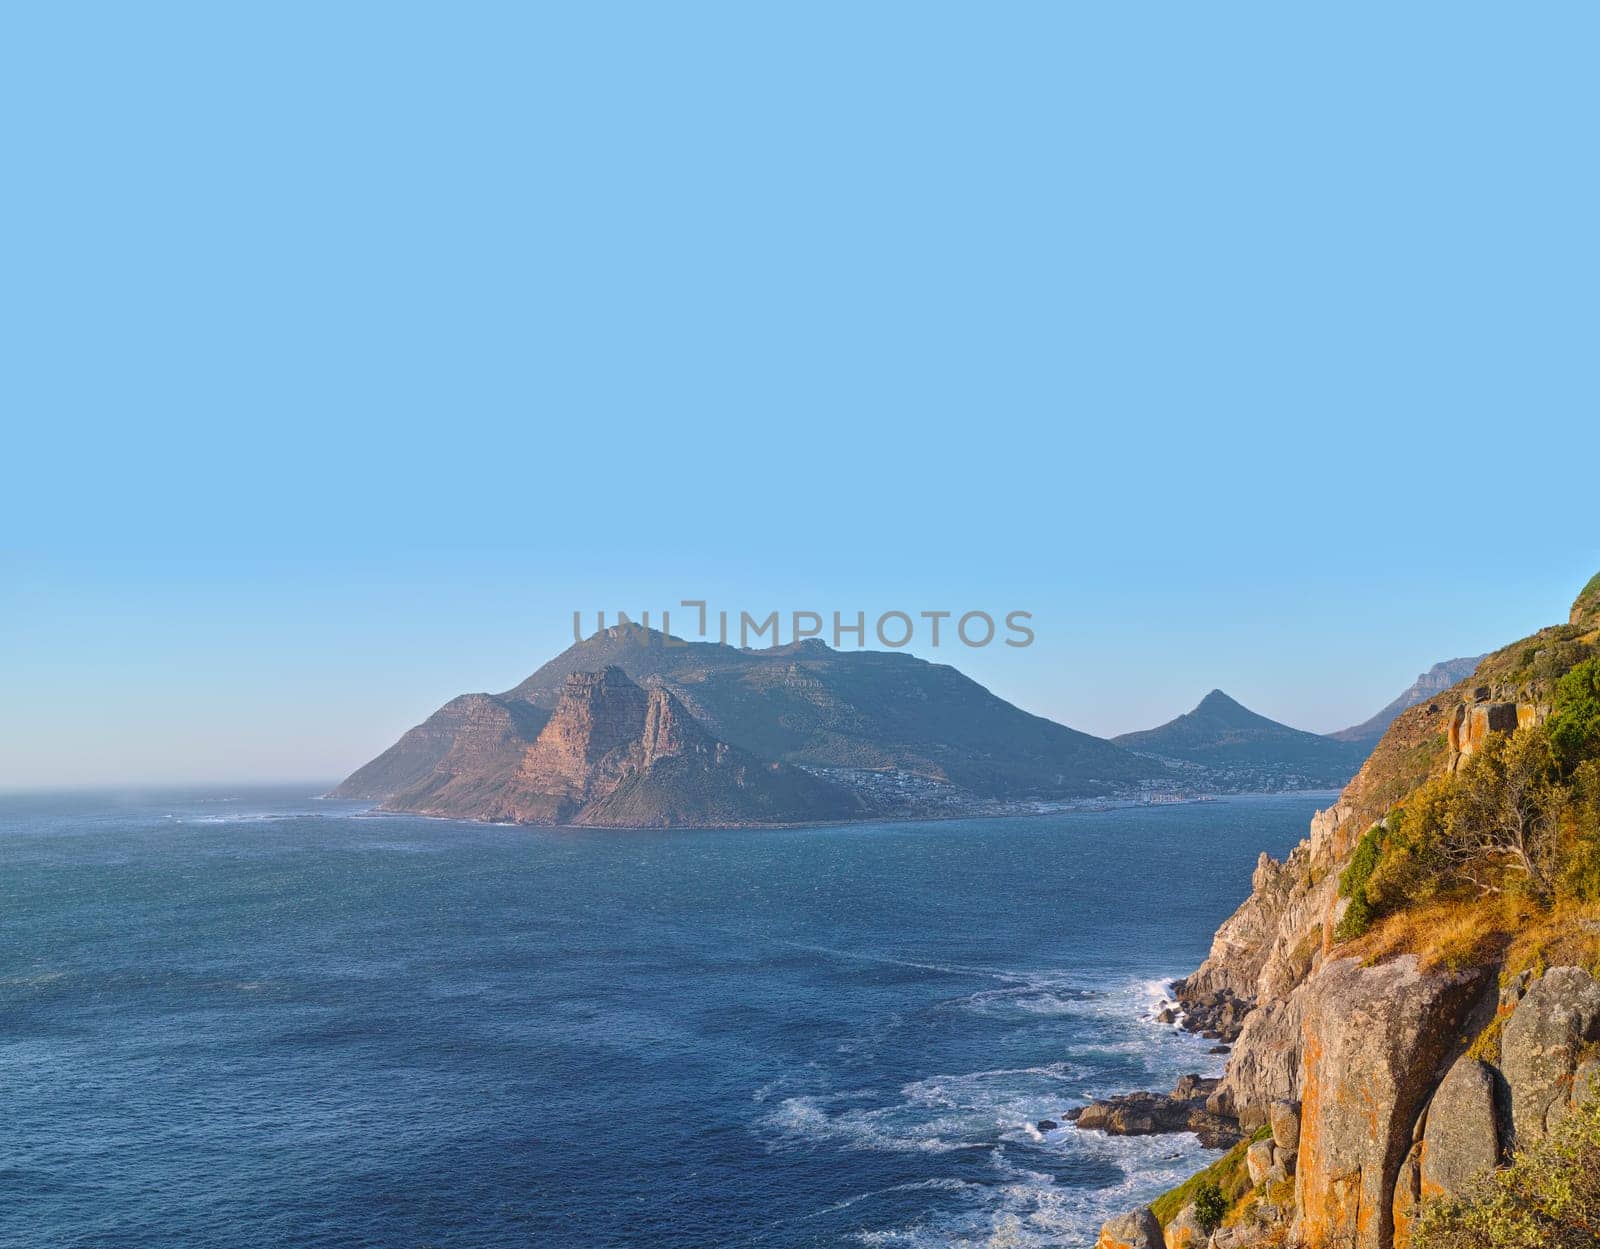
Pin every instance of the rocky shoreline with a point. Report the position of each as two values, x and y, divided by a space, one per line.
1185 1109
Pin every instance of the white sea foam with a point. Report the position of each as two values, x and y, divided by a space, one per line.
997 1111
1028 1209
247 817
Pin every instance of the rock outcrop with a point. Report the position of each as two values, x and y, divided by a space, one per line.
1376 1041
1138 1229
1240 947
1284 1117
1185 1232
1471 723
1549 1036
1185 1109
1461 1130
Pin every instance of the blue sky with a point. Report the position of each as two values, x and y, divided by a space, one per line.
351 348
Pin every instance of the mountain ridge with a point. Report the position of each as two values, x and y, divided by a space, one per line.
1436 680
808 705
1221 733
913 738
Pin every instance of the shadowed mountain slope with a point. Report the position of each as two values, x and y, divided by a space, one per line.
610 754
1222 734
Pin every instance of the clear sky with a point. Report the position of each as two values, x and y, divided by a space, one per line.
350 348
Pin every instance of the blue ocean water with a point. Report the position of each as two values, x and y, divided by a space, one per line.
256 1019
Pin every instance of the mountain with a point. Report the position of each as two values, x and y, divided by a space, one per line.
1435 680
1222 735
808 704
804 704
609 753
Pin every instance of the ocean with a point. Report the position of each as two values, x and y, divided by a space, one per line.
256 1018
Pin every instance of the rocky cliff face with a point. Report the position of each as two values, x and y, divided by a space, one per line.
611 753
1392 1108
810 705
1375 1044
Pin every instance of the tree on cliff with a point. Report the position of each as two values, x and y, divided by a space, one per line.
1504 815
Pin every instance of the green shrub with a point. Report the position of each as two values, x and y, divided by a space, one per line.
1229 1173
1574 724
1210 1206
1549 1198
1353 881
1581 877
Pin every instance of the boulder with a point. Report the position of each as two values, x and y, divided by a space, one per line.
1375 1043
1542 1045
1138 1229
1284 1116
1461 1139
1185 1232
1258 1161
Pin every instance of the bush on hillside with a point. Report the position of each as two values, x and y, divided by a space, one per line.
1210 1206
1549 1198
1518 823
1574 724
1353 882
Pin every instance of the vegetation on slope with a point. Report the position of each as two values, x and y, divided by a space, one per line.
1549 1198
1228 1175
1500 851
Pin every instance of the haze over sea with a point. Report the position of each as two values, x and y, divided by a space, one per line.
256 1018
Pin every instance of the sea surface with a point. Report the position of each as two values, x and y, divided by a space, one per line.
255 1018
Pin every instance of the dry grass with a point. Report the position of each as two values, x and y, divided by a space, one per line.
1486 1045
1567 935
1448 932
1505 929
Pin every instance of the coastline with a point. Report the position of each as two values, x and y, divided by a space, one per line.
1021 810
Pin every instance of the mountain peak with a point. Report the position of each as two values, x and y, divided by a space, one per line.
1223 733
1223 709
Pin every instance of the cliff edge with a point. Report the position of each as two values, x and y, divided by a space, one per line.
1415 986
